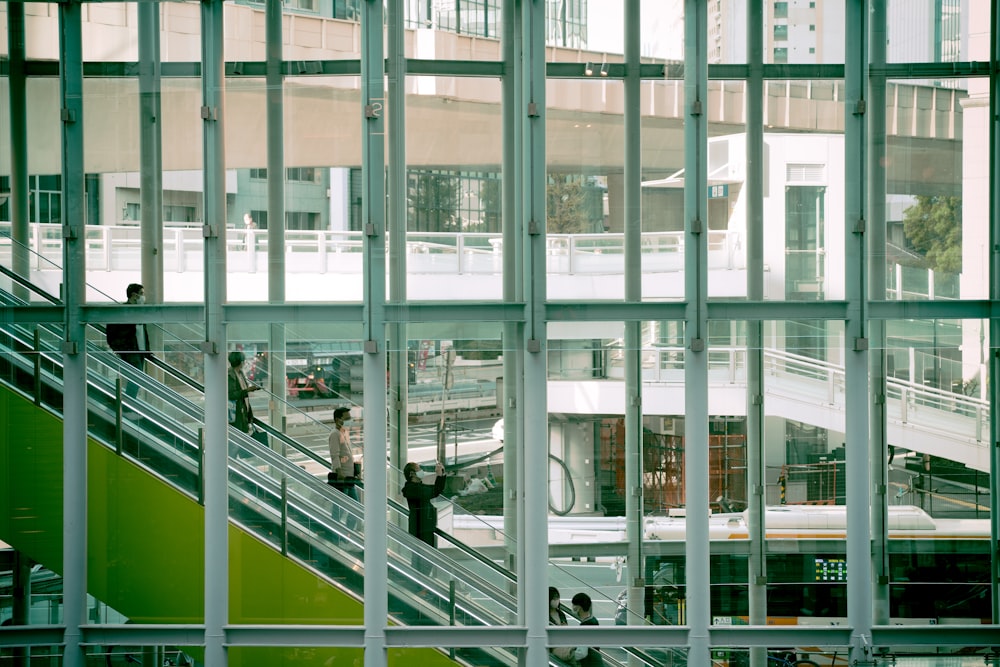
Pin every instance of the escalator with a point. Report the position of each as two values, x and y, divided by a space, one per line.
147 473
290 562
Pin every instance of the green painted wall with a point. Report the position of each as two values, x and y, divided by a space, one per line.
146 545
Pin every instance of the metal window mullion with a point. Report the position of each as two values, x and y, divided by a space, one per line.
398 355
533 573
756 463
17 99
858 483
216 427
275 82
875 230
511 220
695 331
994 322
632 184
74 346
373 222
150 155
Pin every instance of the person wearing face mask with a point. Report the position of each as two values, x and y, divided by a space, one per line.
558 617
584 655
239 389
131 341
343 473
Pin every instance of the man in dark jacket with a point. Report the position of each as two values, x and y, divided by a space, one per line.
586 657
423 514
131 341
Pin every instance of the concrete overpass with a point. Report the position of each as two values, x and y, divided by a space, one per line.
452 122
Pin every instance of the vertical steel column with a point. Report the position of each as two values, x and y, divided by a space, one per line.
533 575
632 185
20 232
513 282
74 346
373 219
859 586
20 603
876 232
275 205
216 455
994 324
150 155
756 463
696 328
398 355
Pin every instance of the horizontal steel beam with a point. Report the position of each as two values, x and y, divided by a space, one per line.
31 635
148 635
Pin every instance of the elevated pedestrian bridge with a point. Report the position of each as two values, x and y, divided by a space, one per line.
317 264
918 418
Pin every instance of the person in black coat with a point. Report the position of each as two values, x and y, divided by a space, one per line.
240 410
131 341
423 514
582 607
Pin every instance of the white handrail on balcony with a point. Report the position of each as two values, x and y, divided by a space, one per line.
931 409
114 248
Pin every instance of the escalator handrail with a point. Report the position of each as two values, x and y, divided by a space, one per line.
339 498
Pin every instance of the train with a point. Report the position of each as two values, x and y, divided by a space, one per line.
938 569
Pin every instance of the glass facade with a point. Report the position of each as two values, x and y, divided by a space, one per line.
691 302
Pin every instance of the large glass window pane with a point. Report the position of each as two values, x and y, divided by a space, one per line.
312 30
937 417
455 29
804 470
453 189
584 166
798 32
662 190
322 206
936 223
931 30
661 29
727 168
803 190
587 459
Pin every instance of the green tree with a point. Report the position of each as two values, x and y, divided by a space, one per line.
433 201
491 202
933 226
566 212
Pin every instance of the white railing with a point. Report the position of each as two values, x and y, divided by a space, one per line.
117 248
927 408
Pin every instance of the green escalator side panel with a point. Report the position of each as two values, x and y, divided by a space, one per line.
31 480
145 539
145 545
